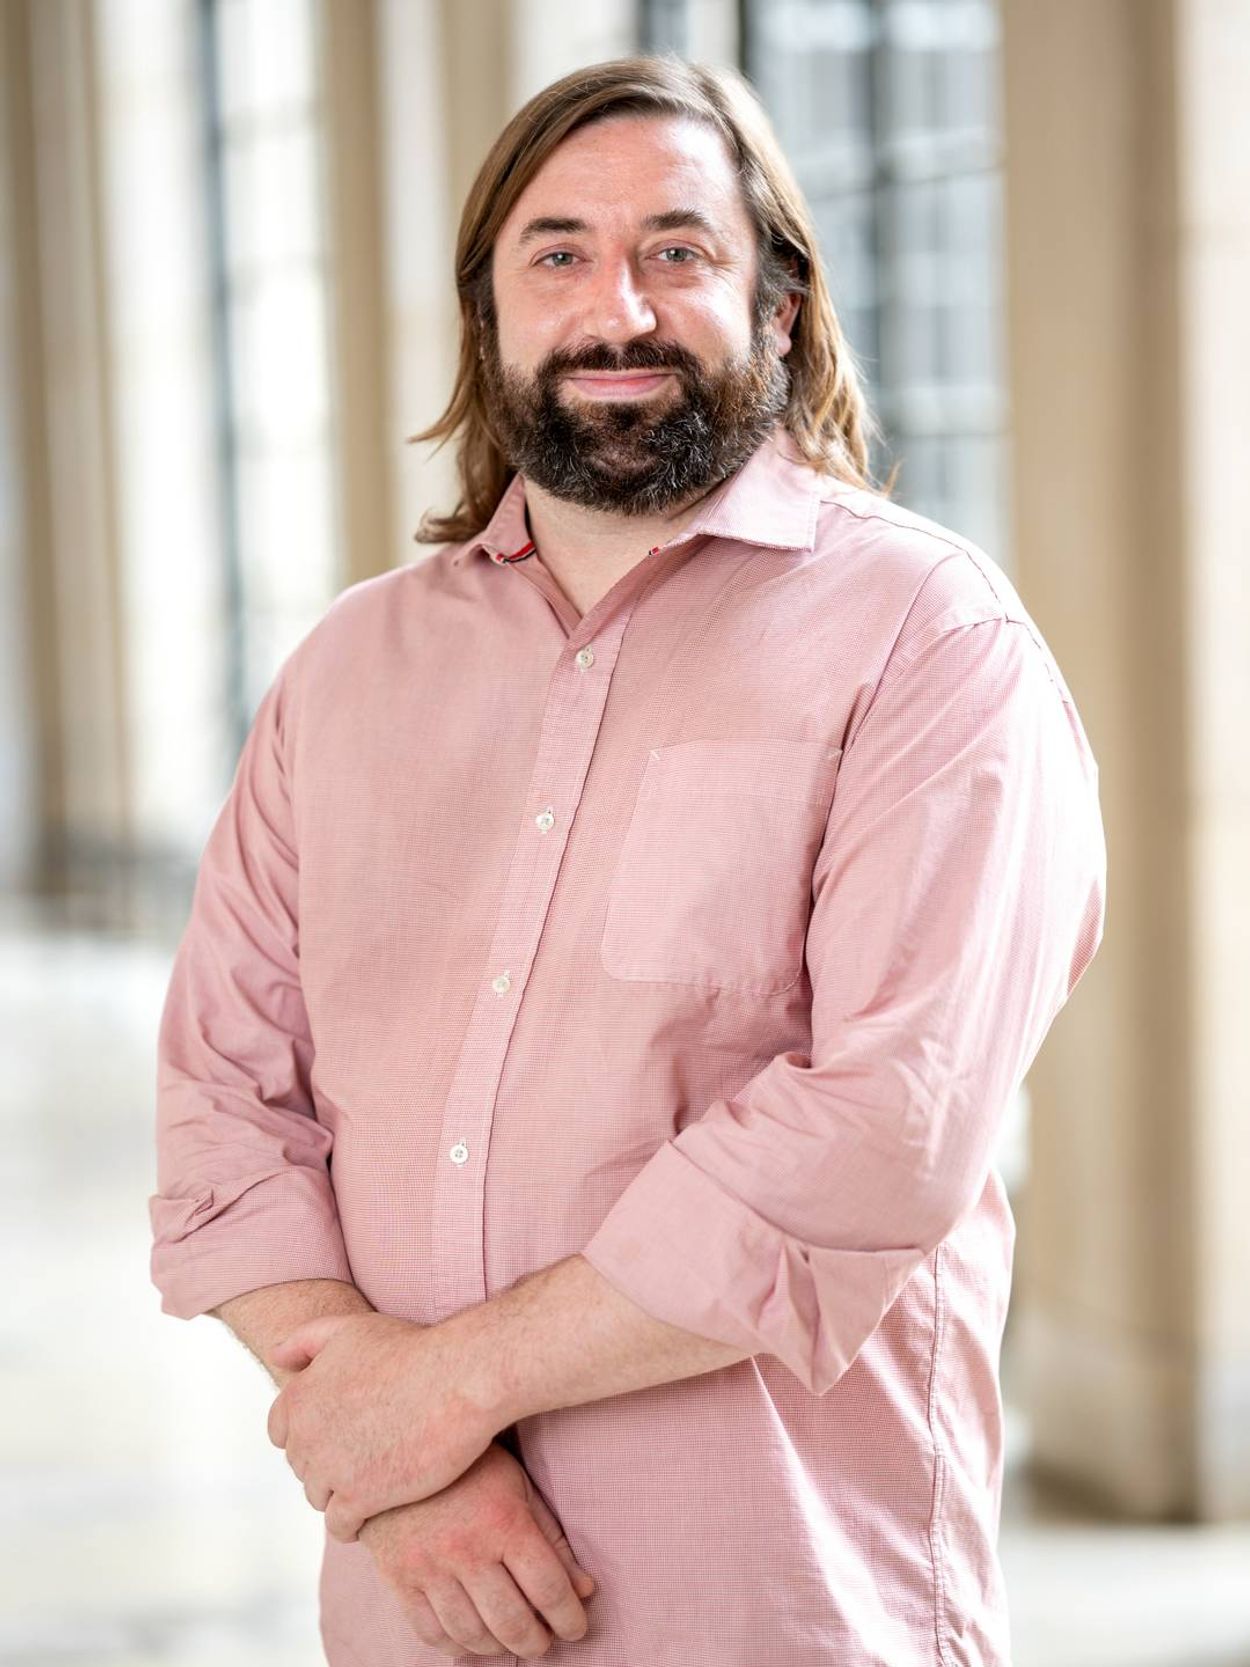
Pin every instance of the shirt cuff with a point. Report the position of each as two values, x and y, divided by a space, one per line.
220 1239
691 1253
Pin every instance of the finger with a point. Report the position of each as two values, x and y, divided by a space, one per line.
547 1585
457 1615
318 1494
297 1462
506 1610
305 1343
584 1584
291 1355
278 1420
343 1521
425 1623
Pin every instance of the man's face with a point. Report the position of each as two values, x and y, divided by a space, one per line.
631 251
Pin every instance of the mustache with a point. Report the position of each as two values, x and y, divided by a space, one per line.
640 355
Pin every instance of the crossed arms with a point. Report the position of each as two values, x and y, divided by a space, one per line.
457 1559
380 1412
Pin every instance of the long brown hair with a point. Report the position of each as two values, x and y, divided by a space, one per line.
826 413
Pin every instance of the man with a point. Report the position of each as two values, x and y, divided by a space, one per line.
580 1074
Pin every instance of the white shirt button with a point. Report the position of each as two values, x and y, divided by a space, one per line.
502 983
459 1153
585 657
546 819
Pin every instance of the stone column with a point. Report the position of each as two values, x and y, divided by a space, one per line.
361 346
1128 261
59 398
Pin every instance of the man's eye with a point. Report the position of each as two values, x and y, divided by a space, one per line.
554 254
678 249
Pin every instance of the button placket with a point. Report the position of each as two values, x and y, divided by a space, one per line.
572 716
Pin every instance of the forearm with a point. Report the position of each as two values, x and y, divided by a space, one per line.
262 1318
565 1335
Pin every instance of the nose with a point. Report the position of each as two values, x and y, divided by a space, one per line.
618 308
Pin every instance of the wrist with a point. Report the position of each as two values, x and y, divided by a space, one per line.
477 1339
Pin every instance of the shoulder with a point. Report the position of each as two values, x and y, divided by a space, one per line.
946 568
368 600
374 609
939 580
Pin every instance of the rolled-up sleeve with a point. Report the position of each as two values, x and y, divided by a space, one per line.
243 1196
957 898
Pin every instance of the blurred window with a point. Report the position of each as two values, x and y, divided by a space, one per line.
889 113
262 93
663 25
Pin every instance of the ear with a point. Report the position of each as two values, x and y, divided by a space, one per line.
783 321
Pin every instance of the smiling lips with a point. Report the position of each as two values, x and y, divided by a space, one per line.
618 384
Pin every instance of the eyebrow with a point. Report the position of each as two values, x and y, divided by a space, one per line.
671 220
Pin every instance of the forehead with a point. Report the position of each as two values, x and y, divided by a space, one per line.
614 173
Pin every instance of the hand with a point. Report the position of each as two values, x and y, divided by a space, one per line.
476 1564
379 1413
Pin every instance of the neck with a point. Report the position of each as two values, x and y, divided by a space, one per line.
586 549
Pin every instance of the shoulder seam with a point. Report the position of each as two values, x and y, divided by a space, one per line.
907 656
1000 618
947 544
953 545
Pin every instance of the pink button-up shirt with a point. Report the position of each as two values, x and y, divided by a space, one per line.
709 934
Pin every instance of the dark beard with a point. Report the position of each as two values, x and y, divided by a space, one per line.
634 457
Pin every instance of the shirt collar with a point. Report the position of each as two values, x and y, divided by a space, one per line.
771 500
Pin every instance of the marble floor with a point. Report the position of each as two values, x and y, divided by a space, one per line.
148 1522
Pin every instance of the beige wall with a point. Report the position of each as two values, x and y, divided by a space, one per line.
67 487
1128 215
1213 77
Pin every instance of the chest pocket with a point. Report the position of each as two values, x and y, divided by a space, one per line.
713 882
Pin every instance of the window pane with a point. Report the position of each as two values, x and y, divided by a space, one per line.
286 530
813 74
889 113
845 227
265 51
279 360
271 198
279 481
663 26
